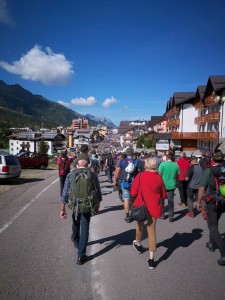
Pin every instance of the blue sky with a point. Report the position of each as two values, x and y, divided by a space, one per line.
119 59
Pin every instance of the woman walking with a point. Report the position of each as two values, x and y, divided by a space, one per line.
149 186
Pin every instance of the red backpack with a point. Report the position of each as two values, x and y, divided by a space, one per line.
64 167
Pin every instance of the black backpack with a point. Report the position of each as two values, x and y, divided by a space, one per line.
204 162
83 194
216 189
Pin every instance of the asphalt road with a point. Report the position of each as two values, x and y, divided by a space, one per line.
38 261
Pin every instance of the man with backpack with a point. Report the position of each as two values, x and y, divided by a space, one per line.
126 171
83 195
193 177
210 189
205 161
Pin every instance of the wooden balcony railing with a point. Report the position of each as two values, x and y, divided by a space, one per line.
199 105
175 109
200 120
213 117
176 122
211 136
169 113
211 100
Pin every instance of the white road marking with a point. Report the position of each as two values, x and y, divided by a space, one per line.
6 225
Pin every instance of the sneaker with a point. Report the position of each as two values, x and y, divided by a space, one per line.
204 214
139 249
221 261
190 215
171 220
82 259
128 219
151 264
211 247
182 204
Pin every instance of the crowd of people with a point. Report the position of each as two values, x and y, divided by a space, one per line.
147 176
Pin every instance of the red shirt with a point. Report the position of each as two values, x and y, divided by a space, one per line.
152 188
183 164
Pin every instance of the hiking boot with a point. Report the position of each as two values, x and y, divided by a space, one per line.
82 259
182 204
211 247
151 264
139 249
128 219
190 215
221 261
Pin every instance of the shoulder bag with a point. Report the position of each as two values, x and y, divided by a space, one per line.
139 213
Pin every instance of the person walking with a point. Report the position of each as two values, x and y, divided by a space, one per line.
193 176
80 220
110 166
63 163
125 171
183 164
169 171
150 186
208 192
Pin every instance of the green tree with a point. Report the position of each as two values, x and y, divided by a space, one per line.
43 148
140 141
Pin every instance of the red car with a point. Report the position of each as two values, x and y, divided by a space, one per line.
33 160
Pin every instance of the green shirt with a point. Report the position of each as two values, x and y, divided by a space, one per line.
169 171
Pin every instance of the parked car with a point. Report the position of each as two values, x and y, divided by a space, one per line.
9 166
33 160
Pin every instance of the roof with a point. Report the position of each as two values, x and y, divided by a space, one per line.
182 97
32 136
215 84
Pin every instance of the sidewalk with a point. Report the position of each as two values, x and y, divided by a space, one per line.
185 269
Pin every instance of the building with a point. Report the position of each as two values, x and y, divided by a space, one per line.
75 131
196 119
31 141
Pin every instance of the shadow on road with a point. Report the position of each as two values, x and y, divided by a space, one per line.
19 181
110 208
122 239
178 240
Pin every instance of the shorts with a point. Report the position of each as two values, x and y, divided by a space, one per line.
125 194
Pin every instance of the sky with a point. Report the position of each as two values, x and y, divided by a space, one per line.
118 59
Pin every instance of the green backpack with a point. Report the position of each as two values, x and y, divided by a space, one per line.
83 194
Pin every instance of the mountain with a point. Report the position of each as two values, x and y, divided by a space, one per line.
21 108
99 120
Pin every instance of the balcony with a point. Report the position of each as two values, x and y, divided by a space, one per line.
211 136
200 120
169 113
213 117
211 100
175 109
176 122
199 105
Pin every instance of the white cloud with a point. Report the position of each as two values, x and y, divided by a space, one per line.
84 101
64 103
5 16
44 66
108 102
